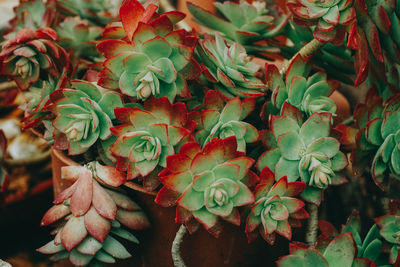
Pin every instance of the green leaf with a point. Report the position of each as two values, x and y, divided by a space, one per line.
89 246
115 248
136 63
373 250
317 126
108 102
312 194
283 124
313 258
168 73
292 261
269 159
232 110
156 48
102 256
203 180
288 168
390 124
290 145
79 259
327 146
341 251
191 199
339 161
296 90
124 234
205 217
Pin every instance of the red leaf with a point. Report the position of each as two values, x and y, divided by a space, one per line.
103 203
54 214
96 225
73 233
135 220
131 12
82 197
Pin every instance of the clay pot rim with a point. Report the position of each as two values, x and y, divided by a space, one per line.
69 162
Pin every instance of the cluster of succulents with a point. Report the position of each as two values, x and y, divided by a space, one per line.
87 215
137 100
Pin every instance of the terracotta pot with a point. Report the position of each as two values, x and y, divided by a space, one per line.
199 249
58 160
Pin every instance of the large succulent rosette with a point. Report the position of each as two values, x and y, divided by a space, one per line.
88 217
207 184
221 120
375 37
245 24
147 137
31 54
154 59
304 150
375 137
276 208
331 17
228 69
308 93
84 115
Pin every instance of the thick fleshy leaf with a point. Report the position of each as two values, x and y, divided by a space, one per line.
82 197
290 145
115 248
317 126
341 251
89 246
73 232
96 225
103 203
136 220
122 200
51 248
54 214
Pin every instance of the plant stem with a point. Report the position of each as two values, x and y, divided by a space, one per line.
167 6
176 247
306 51
312 226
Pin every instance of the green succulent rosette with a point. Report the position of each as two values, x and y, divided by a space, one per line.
245 23
389 229
304 150
224 120
329 16
228 69
308 93
78 37
31 54
207 184
154 59
147 137
276 208
84 115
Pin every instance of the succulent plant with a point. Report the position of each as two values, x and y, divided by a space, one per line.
31 54
304 150
84 115
330 17
276 209
3 173
228 68
207 184
376 34
154 60
375 136
147 137
246 23
389 229
221 120
38 100
309 94
78 37
370 249
88 215
96 11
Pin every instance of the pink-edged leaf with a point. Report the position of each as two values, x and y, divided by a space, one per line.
103 203
71 173
110 175
96 225
64 195
131 12
111 47
135 220
50 248
54 214
166 197
82 197
73 232
122 200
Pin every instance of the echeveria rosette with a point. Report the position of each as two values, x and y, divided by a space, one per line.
88 217
389 229
276 208
305 150
331 17
207 184
31 54
78 38
221 120
228 68
84 115
245 24
147 137
309 93
154 59
340 251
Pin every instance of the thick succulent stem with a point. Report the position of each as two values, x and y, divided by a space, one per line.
176 247
306 51
312 226
167 6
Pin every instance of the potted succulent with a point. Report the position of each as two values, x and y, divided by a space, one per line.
228 134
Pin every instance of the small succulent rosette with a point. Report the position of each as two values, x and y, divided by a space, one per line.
375 137
276 208
304 150
207 184
148 136
88 216
153 59
78 37
84 115
334 248
375 36
221 120
331 17
309 93
228 69
31 54
245 23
